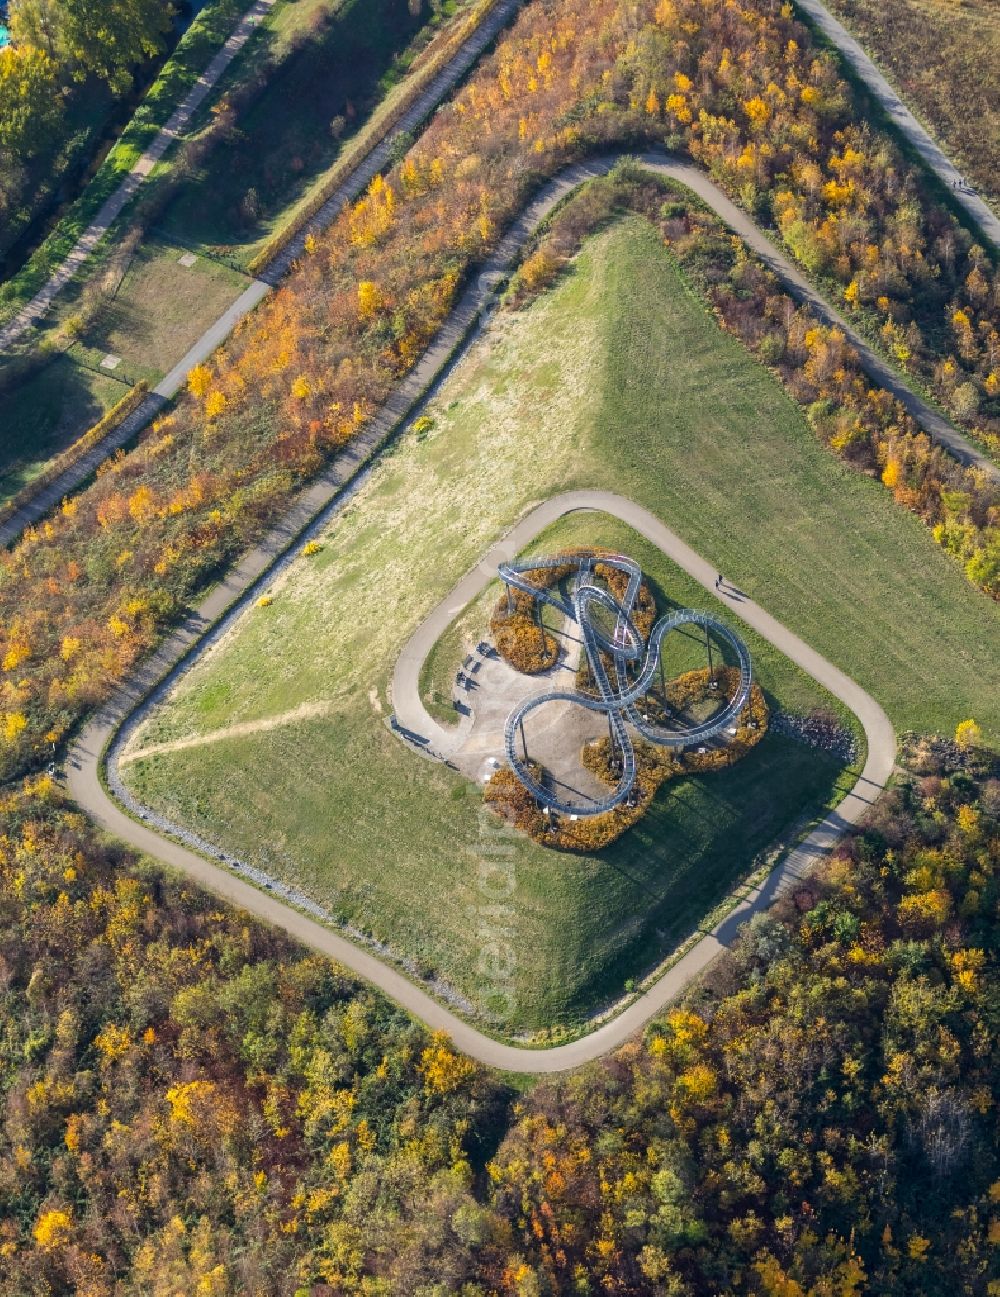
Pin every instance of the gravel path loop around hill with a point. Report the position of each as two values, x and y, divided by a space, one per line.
307 516
86 787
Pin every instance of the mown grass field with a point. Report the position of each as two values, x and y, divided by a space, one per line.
618 378
160 310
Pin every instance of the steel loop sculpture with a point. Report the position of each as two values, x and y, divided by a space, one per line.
633 661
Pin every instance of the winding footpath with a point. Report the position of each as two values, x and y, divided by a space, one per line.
85 786
933 157
113 207
309 514
937 427
481 293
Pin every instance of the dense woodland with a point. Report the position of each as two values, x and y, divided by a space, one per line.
193 1106
68 64
87 593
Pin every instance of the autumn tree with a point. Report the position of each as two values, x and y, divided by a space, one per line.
30 105
106 41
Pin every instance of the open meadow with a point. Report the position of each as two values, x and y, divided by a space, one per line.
617 378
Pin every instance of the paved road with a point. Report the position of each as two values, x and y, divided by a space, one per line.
137 177
86 787
902 119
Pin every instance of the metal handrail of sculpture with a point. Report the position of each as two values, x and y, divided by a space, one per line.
625 649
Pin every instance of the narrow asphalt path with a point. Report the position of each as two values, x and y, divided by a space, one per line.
902 119
113 207
478 297
354 184
86 788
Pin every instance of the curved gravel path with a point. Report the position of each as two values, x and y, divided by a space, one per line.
309 513
86 787
478 296
878 85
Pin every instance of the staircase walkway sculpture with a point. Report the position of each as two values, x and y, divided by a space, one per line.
627 650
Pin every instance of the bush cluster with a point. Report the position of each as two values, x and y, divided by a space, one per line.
741 87
654 766
519 639
529 647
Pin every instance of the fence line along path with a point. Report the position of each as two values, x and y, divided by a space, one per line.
381 156
175 125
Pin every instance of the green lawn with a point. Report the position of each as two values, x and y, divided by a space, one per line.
46 413
159 311
390 841
618 378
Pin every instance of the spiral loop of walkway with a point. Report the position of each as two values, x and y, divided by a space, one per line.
625 649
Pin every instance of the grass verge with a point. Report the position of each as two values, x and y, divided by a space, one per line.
45 413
